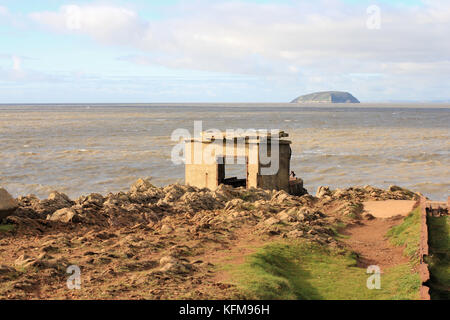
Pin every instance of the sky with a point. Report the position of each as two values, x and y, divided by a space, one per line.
147 51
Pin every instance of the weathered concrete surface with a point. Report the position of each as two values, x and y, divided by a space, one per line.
7 204
389 208
206 160
437 208
423 250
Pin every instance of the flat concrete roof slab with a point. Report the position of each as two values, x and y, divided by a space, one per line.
389 208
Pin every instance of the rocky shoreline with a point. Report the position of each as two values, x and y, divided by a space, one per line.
147 204
162 235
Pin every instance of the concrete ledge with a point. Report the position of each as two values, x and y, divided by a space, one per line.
389 208
423 251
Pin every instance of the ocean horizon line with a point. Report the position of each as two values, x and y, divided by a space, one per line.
256 104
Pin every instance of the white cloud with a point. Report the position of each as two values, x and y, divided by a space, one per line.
322 44
17 63
3 11
260 38
107 24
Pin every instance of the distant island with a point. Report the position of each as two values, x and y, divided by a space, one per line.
327 97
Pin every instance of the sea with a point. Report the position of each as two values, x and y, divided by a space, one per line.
80 149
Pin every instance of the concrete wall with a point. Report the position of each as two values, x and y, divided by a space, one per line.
202 176
199 171
280 180
253 168
203 169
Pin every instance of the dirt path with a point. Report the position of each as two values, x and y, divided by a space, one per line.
369 240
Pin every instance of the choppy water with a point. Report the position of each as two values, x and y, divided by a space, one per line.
82 149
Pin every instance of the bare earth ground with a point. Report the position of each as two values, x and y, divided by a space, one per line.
368 237
170 243
121 264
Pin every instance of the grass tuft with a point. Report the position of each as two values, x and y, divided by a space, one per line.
6 227
408 234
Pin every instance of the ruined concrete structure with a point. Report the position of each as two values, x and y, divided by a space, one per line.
265 157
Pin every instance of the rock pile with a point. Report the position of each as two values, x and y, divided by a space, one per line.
146 204
167 239
366 193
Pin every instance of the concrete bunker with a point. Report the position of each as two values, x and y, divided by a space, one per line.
261 158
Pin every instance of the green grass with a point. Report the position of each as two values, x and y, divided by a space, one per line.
336 228
356 209
248 206
408 234
247 196
439 258
300 270
6 227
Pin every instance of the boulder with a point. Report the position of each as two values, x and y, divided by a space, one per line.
65 215
280 197
284 216
174 192
55 202
167 259
394 188
262 205
323 191
197 201
169 264
235 204
25 261
140 185
60 198
7 204
92 200
295 234
165 229
288 215
339 193
43 261
225 193
5 270
271 221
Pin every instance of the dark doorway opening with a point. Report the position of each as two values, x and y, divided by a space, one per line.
234 174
